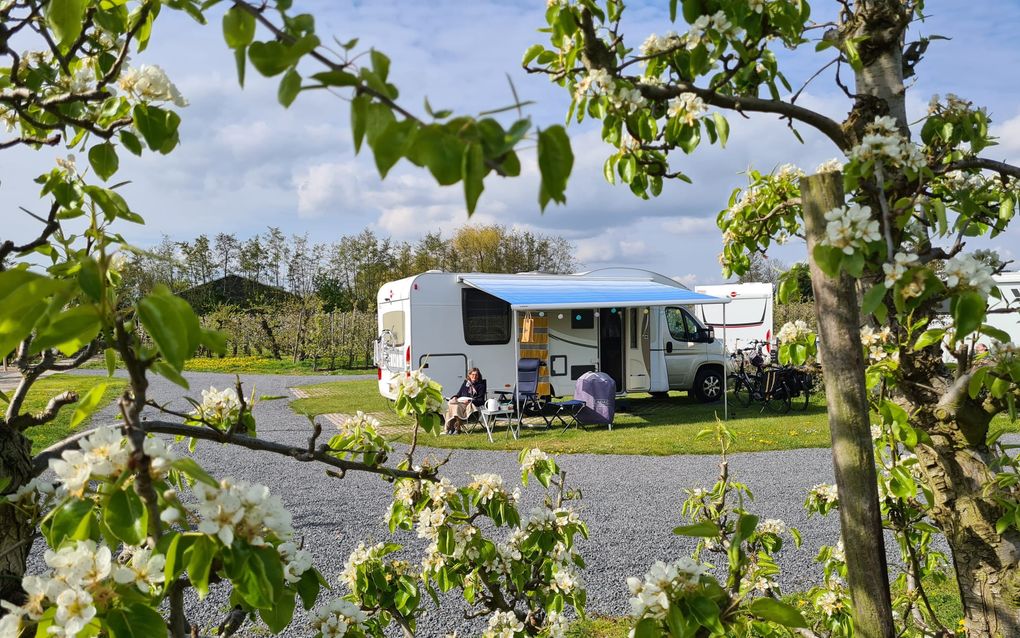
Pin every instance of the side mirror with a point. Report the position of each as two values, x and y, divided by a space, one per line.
706 335
669 346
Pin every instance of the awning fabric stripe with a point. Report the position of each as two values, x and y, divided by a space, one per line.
552 293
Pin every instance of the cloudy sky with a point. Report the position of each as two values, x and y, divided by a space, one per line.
245 163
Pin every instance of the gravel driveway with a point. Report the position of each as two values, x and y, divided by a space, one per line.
631 503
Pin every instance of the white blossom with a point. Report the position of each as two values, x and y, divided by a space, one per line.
144 569
532 457
830 166
687 106
965 270
487 486
503 624
793 331
902 262
850 227
149 83
333 620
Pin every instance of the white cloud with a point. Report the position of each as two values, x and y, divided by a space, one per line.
691 226
324 185
242 139
690 280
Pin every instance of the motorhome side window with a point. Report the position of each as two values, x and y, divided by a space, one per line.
681 326
394 322
486 318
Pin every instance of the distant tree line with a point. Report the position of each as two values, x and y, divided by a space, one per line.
346 274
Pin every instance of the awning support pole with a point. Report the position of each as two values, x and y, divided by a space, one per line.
726 372
517 358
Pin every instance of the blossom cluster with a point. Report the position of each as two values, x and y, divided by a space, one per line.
149 83
503 624
830 166
687 106
241 510
411 384
218 406
850 227
295 561
965 270
338 619
104 454
901 263
883 141
533 456
793 331
651 596
79 578
877 344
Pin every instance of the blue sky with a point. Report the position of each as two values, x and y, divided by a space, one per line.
246 163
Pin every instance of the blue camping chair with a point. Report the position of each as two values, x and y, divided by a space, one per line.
527 401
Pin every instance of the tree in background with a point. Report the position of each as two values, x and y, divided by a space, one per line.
899 233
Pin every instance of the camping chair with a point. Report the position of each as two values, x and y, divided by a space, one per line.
525 394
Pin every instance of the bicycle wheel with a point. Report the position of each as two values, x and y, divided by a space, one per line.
741 391
778 400
806 385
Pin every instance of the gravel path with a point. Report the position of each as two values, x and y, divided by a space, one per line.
631 503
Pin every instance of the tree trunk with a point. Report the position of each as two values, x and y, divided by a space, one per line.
275 347
16 530
852 454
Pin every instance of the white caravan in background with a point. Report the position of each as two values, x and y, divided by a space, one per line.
635 325
748 315
1009 322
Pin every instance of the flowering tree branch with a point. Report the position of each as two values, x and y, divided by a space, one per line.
178 429
25 421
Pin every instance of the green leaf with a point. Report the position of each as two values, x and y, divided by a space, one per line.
279 615
269 58
126 516
238 27
929 337
200 556
778 612
66 18
336 78
161 320
308 588
71 521
647 628
88 404
555 161
787 287
380 64
191 467
474 174
441 152
175 552
241 62
135 621
103 158
290 86
157 126
531 53
131 142
359 109
722 128
704 529
110 357
257 574
393 143
968 310
873 298
69 331
828 259
23 302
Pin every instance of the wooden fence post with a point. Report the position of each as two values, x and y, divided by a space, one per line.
839 324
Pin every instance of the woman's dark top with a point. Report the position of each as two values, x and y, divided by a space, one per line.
475 391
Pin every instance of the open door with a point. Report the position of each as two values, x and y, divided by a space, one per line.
611 344
638 353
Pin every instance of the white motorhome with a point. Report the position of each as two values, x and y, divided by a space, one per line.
748 315
634 325
1009 322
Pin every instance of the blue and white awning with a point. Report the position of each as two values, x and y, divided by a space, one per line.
540 292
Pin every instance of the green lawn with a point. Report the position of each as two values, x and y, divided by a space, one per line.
254 365
646 426
44 389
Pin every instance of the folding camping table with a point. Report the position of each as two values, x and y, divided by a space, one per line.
490 418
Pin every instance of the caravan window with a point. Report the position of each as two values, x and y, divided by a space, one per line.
394 322
741 312
486 318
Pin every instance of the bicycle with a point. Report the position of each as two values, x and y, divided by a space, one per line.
768 385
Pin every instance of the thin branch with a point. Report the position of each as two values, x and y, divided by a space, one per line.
983 163
741 104
79 359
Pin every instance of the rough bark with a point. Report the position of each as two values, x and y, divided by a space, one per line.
852 455
16 531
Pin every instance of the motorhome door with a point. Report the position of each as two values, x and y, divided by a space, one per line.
611 344
638 353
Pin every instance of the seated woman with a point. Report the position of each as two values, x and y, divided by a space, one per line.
467 401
